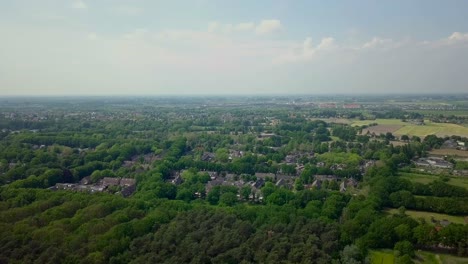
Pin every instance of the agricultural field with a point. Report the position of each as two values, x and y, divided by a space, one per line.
399 128
429 215
428 178
438 129
381 129
450 152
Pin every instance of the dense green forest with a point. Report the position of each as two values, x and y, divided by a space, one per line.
216 182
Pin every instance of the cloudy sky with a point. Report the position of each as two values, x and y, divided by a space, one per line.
115 47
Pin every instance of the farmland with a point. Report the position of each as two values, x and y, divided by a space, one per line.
399 128
450 152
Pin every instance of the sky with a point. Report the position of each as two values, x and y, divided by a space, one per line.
203 47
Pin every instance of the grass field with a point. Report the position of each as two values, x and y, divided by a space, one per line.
422 257
428 215
399 128
382 257
428 178
439 129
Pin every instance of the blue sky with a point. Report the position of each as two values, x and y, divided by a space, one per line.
105 47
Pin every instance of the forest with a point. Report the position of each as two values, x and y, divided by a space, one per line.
210 180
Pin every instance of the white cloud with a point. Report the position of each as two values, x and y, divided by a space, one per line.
79 4
457 36
327 44
376 42
268 26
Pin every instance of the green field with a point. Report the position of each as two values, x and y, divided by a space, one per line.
430 128
422 257
428 178
439 129
382 257
428 215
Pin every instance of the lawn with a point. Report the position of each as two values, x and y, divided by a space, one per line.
428 178
428 215
382 257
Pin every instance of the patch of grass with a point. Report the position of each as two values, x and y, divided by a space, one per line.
428 215
382 257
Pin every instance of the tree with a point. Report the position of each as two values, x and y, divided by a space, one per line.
228 199
404 248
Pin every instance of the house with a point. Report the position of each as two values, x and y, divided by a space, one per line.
346 183
108 181
433 162
317 184
208 156
177 180
326 177
86 180
343 186
209 186
281 183
258 184
444 222
128 190
264 175
125 182
449 144
213 174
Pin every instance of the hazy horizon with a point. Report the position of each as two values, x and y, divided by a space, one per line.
221 48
